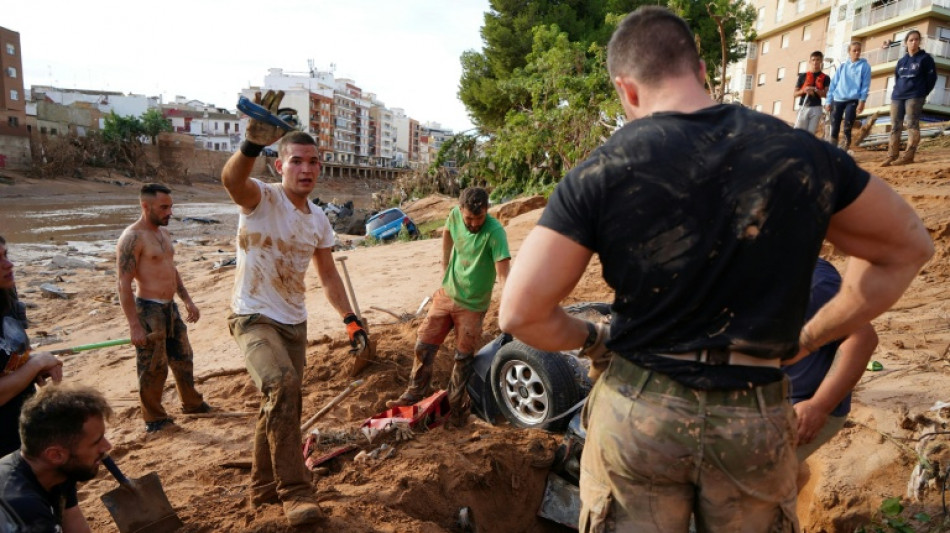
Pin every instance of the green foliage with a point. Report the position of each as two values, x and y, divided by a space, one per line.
154 123
571 110
891 521
123 136
508 37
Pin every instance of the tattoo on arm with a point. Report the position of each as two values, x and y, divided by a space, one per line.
182 292
127 261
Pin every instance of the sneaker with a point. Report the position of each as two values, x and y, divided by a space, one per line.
155 425
203 408
302 510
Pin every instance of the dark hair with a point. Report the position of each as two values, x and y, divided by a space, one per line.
817 54
474 199
151 190
910 32
634 48
55 415
295 137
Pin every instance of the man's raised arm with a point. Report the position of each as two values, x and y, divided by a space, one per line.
237 171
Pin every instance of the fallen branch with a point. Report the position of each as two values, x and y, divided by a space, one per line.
220 373
243 465
221 414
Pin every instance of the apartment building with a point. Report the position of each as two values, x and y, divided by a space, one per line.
789 31
14 134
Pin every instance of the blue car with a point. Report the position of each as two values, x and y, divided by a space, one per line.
387 224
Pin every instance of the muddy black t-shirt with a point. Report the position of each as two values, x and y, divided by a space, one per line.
708 225
40 510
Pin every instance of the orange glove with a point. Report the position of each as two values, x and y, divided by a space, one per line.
355 330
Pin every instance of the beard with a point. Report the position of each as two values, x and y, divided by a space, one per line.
157 220
473 229
77 471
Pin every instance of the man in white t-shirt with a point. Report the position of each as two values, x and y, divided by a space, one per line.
279 233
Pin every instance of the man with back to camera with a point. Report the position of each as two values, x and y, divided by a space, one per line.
145 255
691 415
280 232
63 432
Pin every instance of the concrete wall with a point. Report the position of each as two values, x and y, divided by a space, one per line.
15 152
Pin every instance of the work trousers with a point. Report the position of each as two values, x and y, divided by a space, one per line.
905 110
658 451
275 355
167 347
808 117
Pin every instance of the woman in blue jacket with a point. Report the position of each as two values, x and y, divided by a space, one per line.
914 78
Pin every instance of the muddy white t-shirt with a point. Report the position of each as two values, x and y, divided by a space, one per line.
276 243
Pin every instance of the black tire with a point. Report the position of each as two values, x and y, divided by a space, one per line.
531 387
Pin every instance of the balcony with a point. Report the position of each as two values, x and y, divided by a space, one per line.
938 97
893 10
931 45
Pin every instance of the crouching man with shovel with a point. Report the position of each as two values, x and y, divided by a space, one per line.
279 233
63 433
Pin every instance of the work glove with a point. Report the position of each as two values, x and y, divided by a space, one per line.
595 349
355 331
264 134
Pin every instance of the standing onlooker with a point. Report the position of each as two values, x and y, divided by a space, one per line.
848 92
811 87
280 232
145 255
821 383
474 253
914 77
692 416
17 376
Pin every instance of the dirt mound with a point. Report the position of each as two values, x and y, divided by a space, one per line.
435 207
510 210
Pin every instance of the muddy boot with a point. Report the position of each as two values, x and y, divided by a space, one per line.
845 144
893 148
302 509
458 396
263 495
913 139
420 378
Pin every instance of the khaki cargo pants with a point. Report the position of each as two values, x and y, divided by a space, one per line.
168 347
658 451
275 355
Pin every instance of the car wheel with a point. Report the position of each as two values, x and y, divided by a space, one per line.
531 387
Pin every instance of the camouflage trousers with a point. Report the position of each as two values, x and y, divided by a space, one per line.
275 356
168 347
658 451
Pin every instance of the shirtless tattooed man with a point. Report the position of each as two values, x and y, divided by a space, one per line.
144 254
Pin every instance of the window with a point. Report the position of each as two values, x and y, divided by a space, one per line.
943 34
760 19
780 74
43 130
11 71
779 8
777 107
801 6
14 94
761 79
52 131
11 50
785 40
758 107
13 122
753 48
765 47
806 32
748 82
842 13
802 66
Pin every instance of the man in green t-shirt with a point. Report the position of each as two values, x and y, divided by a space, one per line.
474 252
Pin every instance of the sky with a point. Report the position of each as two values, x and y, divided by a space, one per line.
405 51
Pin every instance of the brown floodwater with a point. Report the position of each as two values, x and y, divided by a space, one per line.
37 230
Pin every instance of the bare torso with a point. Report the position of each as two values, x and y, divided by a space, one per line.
148 254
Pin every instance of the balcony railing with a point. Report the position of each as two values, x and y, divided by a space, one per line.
895 9
939 96
934 47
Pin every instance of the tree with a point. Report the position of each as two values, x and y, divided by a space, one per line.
154 123
124 135
508 38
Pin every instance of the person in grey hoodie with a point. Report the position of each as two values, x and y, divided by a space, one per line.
848 92
914 77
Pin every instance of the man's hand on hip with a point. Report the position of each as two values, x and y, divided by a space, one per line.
811 418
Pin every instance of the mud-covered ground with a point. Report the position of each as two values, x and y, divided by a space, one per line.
496 471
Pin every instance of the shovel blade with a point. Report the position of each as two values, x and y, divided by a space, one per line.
362 357
143 508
